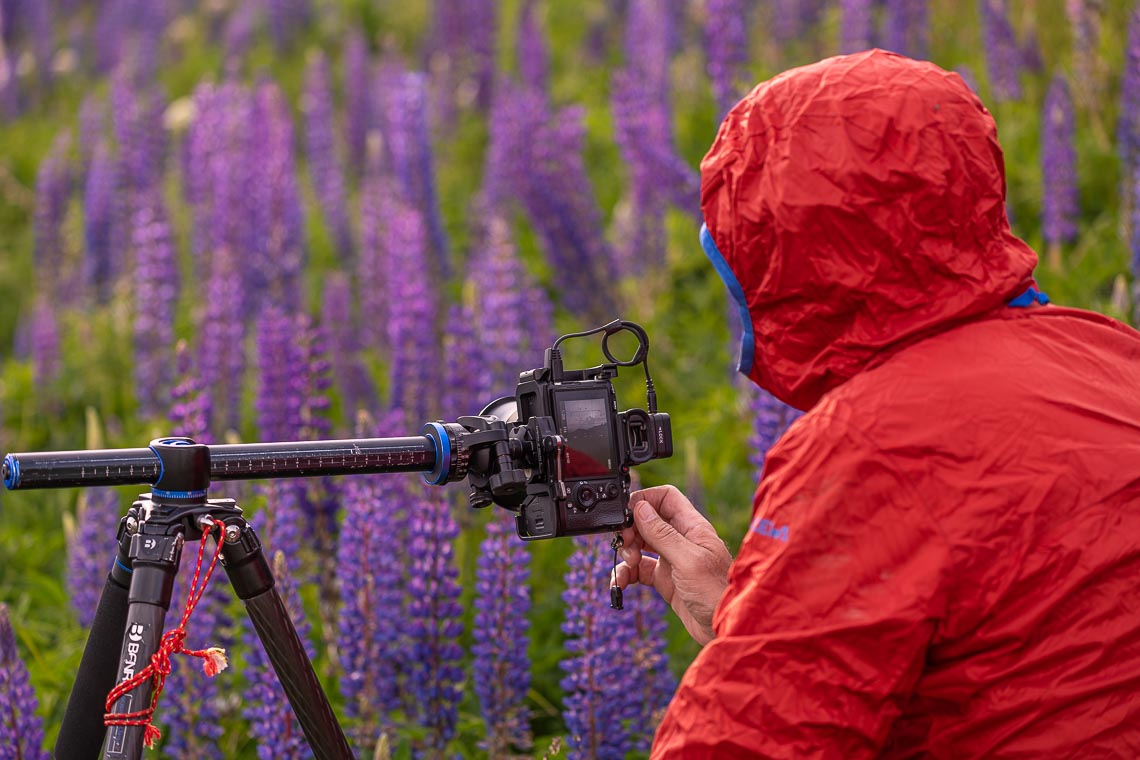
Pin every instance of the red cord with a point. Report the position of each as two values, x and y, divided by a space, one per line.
214 658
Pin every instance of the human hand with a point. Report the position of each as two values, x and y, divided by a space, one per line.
692 572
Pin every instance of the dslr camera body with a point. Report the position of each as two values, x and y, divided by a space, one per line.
576 448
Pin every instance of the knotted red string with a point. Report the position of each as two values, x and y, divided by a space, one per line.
214 658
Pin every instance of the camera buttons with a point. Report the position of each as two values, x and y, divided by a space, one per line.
585 497
612 491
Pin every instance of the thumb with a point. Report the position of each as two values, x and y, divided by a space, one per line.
658 534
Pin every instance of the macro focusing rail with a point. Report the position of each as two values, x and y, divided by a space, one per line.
239 461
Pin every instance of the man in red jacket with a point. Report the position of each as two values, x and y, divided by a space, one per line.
944 558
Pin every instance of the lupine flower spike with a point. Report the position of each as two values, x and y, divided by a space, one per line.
1059 211
21 731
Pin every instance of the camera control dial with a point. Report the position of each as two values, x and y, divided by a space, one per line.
586 497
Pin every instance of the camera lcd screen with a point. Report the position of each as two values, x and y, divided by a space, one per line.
584 424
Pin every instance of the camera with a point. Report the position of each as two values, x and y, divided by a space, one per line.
558 453
577 447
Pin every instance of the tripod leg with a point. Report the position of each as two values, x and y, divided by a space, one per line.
82 731
252 579
154 559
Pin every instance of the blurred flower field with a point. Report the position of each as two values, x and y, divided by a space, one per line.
246 220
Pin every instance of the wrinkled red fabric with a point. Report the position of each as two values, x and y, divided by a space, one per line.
944 557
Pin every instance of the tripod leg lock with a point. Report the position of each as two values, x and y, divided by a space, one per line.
244 560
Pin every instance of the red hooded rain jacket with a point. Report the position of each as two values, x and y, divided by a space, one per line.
944 559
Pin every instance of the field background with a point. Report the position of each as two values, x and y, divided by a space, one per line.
90 396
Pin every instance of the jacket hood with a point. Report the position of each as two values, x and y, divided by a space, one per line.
856 203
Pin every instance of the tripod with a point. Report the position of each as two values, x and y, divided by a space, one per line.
136 597
134 603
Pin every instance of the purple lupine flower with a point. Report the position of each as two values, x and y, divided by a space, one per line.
366 579
271 719
533 51
239 31
39 24
640 230
108 33
726 40
906 29
771 419
193 710
149 26
642 117
599 36
315 367
377 206
222 181
221 353
511 118
435 621
357 98
540 321
21 730
411 327
319 497
594 706
535 159
649 36
676 12
193 705
281 377
1031 57
91 550
857 29
292 377
92 119
277 219
1060 201
1128 126
483 27
287 18
137 120
500 669
127 35
282 382
658 176
53 190
410 150
1085 21
44 342
463 51
101 261
562 204
190 399
323 153
500 287
465 364
643 627
354 384
1003 59
156 279
371 564
10 84
791 18
198 144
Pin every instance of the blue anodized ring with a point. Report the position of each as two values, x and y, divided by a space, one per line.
442 442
